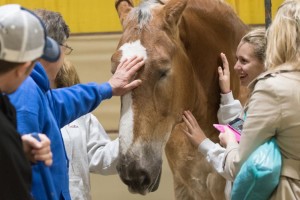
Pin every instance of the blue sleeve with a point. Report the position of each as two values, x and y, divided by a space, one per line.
75 101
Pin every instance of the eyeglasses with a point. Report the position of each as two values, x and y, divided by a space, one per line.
68 49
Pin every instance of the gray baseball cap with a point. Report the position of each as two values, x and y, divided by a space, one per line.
23 36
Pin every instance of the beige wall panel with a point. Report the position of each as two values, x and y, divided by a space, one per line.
91 57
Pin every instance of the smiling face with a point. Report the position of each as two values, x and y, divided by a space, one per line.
248 66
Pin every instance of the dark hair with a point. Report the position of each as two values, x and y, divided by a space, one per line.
55 25
7 66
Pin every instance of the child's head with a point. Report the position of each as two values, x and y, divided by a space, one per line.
67 75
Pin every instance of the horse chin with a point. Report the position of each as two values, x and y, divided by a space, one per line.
140 179
152 188
155 184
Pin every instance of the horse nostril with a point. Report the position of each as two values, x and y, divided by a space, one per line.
137 180
143 179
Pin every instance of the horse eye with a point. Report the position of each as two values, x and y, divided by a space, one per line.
163 73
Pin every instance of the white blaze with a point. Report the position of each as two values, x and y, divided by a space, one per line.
133 49
126 122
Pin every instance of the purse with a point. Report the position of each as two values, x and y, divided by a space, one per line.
259 174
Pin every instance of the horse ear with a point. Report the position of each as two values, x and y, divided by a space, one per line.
123 7
173 10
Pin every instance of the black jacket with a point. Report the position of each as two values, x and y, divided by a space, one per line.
15 169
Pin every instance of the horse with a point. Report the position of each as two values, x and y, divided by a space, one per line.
181 42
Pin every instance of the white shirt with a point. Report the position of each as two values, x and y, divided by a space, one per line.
214 153
89 149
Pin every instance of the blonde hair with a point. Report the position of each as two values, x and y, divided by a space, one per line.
283 36
67 75
257 38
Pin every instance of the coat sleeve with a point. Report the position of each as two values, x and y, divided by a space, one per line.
263 116
214 155
230 108
102 152
72 102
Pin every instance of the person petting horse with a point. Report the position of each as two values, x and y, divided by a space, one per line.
250 63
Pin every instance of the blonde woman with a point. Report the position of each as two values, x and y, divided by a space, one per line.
88 147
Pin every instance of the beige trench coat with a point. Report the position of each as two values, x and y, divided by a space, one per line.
273 110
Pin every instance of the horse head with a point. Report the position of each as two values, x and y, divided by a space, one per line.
149 112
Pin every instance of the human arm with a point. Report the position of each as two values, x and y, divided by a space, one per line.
213 153
37 151
103 153
75 101
229 107
263 118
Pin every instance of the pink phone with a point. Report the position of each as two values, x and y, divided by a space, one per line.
221 128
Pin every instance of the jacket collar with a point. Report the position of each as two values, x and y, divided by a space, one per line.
272 73
40 77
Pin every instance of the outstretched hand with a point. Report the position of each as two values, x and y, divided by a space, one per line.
37 151
121 81
194 133
224 75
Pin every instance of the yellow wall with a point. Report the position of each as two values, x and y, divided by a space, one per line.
89 16
253 11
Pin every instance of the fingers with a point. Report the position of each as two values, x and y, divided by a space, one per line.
190 117
131 64
133 84
220 72
225 63
135 65
188 124
125 62
44 152
31 141
121 82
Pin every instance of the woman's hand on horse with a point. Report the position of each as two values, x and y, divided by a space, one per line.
224 75
122 80
194 132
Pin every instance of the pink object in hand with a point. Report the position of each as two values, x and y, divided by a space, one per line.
221 128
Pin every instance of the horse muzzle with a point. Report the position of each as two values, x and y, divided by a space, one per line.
140 176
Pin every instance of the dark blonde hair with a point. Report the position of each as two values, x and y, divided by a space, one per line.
67 75
257 38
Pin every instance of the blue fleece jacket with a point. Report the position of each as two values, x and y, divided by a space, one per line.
42 110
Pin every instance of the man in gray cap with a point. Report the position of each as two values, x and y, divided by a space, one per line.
22 41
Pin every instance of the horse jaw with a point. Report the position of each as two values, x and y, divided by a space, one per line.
136 170
139 174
